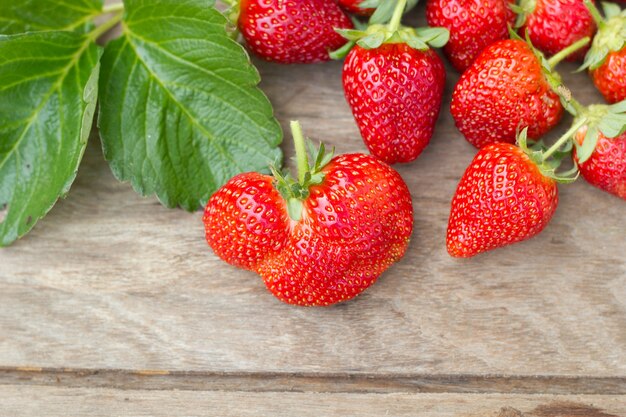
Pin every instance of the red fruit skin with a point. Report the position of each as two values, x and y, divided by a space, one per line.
354 226
556 24
501 199
610 77
606 168
473 25
503 91
352 6
292 31
395 94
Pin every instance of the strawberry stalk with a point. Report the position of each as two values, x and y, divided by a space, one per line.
394 23
595 13
563 139
563 53
295 191
301 156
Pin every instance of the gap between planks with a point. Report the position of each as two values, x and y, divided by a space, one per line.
314 382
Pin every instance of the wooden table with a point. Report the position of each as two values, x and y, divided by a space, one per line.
114 305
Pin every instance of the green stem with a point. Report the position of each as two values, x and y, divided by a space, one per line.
394 23
577 106
301 155
106 26
564 138
566 51
595 13
113 8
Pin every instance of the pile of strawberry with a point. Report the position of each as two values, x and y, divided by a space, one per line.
328 234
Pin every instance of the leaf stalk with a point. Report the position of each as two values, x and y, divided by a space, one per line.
566 136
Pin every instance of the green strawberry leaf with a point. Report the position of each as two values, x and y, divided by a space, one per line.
18 16
180 112
48 92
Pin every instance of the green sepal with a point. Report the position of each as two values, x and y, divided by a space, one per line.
384 9
376 35
372 41
584 151
611 36
611 10
294 208
435 37
522 10
548 166
609 120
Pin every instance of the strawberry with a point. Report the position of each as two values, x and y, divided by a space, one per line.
508 194
508 87
292 31
321 239
394 85
600 146
354 7
473 25
606 60
553 25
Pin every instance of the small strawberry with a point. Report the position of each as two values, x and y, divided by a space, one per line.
473 25
600 146
508 194
321 239
354 7
553 25
606 59
508 87
394 85
292 31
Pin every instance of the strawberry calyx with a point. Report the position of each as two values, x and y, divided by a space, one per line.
295 190
377 34
549 160
611 36
596 119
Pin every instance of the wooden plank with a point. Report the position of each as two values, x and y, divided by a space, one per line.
111 280
312 382
28 401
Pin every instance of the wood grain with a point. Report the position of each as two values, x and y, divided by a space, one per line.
110 280
28 401
325 382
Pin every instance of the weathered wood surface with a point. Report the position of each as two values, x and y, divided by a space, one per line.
110 280
52 402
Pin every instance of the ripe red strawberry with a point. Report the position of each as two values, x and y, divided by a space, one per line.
600 147
473 25
505 89
353 6
395 93
292 31
503 198
319 240
610 77
394 85
553 25
606 59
